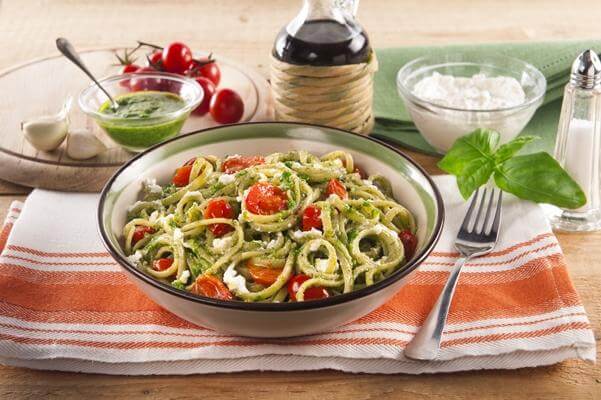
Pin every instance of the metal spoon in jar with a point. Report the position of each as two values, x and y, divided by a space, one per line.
65 47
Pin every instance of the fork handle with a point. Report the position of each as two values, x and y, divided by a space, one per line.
426 342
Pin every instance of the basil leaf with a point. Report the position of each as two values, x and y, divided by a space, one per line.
508 150
471 160
539 178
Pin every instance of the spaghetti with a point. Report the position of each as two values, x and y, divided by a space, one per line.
286 227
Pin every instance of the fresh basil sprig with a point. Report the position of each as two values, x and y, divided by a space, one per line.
474 158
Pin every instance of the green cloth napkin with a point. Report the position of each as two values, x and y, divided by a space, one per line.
553 59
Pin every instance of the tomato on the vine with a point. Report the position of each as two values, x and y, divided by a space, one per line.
140 83
263 198
128 69
155 59
219 208
176 58
312 293
206 69
209 90
226 106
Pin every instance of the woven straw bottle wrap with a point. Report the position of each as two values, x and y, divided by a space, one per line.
337 96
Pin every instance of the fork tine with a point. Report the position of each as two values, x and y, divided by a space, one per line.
468 215
488 210
497 221
479 213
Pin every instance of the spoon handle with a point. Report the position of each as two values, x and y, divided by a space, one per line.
65 47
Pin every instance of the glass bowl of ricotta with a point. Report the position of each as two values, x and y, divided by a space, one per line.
451 95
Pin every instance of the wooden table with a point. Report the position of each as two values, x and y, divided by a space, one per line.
244 30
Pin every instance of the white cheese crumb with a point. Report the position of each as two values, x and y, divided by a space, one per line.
183 278
333 197
135 258
369 183
235 282
223 243
303 234
262 177
177 234
225 179
272 243
338 162
379 228
151 185
315 245
321 264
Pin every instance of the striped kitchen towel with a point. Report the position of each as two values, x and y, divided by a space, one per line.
66 305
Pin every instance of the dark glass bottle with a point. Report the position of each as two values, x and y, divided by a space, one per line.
322 34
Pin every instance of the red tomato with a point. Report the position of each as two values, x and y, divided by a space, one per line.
139 84
409 243
176 58
265 276
128 69
140 231
211 286
182 175
265 199
312 218
209 90
162 264
313 293
206 69
155 60
336 187
219 208
190 161
238 163
226 107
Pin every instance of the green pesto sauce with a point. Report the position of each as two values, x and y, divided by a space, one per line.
141 120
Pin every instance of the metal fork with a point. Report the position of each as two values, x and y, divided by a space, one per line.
475 238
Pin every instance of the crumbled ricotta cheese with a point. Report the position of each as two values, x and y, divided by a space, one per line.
303 234
223 243
321 264
183 278
135 258
379 228
315 245
338 162
369 183
151 185
272 243
262 177
226 179
178 234
234 281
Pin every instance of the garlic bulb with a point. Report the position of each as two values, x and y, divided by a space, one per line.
82 144
47 132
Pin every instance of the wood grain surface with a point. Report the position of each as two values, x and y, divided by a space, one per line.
244 30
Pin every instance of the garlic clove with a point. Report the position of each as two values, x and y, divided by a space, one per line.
82 144
45 133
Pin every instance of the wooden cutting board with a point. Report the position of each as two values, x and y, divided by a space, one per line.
39 87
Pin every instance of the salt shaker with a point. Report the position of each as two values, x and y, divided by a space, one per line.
578 143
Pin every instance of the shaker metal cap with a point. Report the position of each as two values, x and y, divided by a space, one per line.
586 70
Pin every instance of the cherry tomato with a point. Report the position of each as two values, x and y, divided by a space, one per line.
140 231
238 163
226 107
206 69
312 293
336 187
162 264
311 218
219 208
409 243
190 161
176 58
265 199
209 90
139 84
155 60
211 286
128 69
262 275
182 175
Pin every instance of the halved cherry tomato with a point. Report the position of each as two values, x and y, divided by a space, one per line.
209 89
238 163
140 231
312 218
226 106
409 243
312 293
162 264
190 161
265 199
211 286
176 58
336 187
219 208
205 68
182 175
265 276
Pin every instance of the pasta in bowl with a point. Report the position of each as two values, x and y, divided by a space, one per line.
285 227
291 237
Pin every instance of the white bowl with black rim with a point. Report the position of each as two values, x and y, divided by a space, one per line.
411 186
